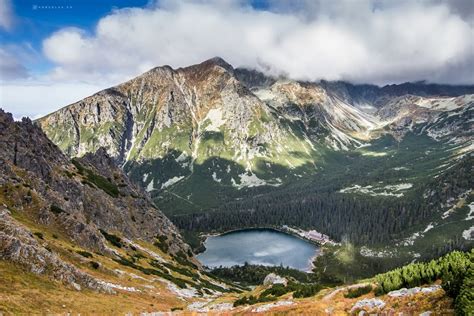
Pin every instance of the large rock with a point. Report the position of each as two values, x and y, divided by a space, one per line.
273 278
369 304
415 290
19 246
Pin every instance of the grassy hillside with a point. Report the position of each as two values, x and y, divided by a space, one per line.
453 272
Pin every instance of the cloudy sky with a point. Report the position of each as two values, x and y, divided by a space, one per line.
55 52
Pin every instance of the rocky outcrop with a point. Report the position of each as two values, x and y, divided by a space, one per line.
270 306
368 304
415 290
18 246
273 278
83 199
438 117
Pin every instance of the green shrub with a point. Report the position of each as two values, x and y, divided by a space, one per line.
56 209
464 303
94 265
128 263
244 301
179 270
250 274
277 290
379 291
214 287
299 290
78 165
161 245
271 294
84 254
99 181
137 256
162 238
250 300
359 291
179 282
104 184
69 174
114 240
39 235
450 268
182 259
307 290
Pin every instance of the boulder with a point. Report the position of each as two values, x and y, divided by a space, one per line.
273 278
369 304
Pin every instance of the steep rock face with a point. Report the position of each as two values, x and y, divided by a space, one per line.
448 118
326 118
84 200
18 245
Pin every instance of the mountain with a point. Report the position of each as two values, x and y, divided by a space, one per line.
181 122
197 136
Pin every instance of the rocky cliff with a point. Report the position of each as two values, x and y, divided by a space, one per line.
88 201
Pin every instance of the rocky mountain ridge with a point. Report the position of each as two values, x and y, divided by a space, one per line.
238 128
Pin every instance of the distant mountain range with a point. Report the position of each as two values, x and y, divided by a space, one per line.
228 129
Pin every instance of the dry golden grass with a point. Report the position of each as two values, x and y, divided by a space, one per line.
27 293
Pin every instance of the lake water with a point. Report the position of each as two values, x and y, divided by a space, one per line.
258 246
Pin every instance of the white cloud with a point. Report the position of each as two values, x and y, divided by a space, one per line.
35 99
6 15
351 40
362 41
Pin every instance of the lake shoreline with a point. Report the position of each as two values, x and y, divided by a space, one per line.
278 229
282 230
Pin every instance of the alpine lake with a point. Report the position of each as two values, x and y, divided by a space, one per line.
258 246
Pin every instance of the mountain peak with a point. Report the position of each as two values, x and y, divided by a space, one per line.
217 61
212 67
